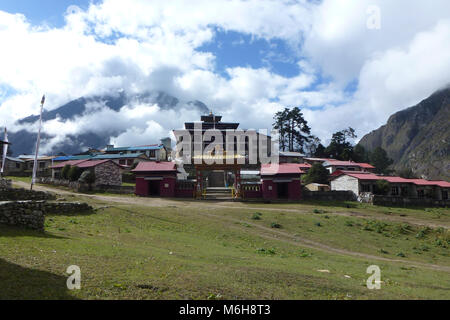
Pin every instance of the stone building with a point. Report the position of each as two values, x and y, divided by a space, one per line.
13 166
107 172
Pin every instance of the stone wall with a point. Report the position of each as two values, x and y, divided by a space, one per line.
59 182
31 214
28 214
408 202
328 195
108 173
5 184
84 187
24 194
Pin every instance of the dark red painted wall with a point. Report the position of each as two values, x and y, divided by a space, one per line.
294 190
141 187
266 193
167 187
252 191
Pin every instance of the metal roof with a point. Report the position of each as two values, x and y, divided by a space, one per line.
14 159
117 156
347 163
136 148
70 163
68 158
290 154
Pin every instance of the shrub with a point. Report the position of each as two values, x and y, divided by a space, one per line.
266 251
305 254
87 177
382 187
317 173
420 234
74 173
401 254
404 228
256 216
65 172
275 225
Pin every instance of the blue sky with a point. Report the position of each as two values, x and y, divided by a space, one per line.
235 49
42 11
232 49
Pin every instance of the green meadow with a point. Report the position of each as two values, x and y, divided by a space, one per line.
148 248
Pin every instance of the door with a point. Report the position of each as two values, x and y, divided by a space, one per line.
153 188
282 190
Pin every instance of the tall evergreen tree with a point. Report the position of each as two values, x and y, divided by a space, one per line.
282 125
340 147
316 174
360 154
380 160
293 129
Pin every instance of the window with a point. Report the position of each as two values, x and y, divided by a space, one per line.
444 195
152 154
42 165
17 165
394 191
129 162
420 193
404 191
365 188
122 162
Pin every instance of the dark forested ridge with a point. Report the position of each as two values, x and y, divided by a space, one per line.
418 137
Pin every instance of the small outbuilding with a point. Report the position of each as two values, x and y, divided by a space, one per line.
317 187
155 179
281 181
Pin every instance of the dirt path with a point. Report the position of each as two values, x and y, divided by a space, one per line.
268 233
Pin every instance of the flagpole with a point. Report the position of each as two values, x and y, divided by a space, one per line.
5 151
38 141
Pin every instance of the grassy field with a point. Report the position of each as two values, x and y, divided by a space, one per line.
134 248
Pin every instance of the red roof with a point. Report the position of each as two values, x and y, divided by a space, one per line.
304 166
155 166
396 179
319 159
350 163
92 163
70 163
341 172
365 176
282 168
422 182
371 176
443 184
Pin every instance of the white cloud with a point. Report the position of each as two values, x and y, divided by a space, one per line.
153 45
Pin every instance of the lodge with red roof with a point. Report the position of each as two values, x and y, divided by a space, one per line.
364 182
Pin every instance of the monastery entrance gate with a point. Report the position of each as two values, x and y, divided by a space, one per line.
229 188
